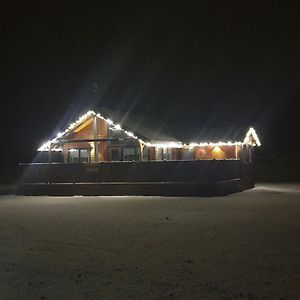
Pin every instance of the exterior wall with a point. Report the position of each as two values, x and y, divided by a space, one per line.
152 153
247 154
105 148
120 147
103 151
87 132
218 152
145 153
187 154
68 146
102 134
198 153
102 129
176 154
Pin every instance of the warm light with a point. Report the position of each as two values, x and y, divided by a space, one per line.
217 153
217 149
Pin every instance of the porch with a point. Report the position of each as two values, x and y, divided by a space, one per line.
169 178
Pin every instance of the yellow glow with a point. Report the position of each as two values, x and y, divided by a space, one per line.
217 149
217 153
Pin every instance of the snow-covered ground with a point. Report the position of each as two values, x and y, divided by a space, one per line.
242 246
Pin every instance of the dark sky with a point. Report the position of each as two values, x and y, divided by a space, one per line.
192 64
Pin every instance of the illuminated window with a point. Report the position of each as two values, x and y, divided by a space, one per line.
73 156
84 155
78 155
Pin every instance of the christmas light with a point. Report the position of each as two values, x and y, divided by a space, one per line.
110 122
247 140
51 144
192 145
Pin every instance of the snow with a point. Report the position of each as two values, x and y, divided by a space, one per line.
242 246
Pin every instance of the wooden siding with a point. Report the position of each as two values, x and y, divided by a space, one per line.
86 131
103 151
152 153
176 154
218 152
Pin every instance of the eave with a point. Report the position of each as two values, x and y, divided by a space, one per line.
54 144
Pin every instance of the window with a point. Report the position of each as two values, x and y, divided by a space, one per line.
164 153
84 155
73 156
188 154
78 155
131 153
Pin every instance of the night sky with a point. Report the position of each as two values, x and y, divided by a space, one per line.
212 63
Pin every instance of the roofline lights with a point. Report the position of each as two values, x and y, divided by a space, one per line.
47 145
51 144
252 132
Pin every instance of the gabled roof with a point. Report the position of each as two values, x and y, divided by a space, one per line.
147 128
114 126
155 139
216 134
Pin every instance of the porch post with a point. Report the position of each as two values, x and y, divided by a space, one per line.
141 151
95 131
50 154
49 163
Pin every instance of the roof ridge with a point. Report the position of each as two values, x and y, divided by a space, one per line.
176 144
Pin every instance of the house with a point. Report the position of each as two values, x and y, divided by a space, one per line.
97 156
94 138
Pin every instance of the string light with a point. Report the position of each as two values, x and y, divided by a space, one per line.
247 139
52 144
118 127
110 122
